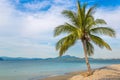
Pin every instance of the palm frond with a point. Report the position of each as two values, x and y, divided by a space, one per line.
66 42
90 11
66 28
84 9
90 48
104 30
71 16
90 22
100 21
83 14
100 42
79 13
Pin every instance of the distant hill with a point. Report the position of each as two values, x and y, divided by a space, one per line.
66 58
1 59
17 59
63 58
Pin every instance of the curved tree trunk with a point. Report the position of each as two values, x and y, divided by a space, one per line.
86 57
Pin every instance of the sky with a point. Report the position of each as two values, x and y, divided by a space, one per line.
26 27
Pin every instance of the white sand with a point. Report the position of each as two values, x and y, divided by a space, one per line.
107 73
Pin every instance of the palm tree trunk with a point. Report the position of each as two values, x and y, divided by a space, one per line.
86 57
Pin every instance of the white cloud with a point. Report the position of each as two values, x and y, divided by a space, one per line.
5 13
31 24
36 5
41 23
27 26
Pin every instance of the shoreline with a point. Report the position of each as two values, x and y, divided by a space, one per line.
113 71
63 77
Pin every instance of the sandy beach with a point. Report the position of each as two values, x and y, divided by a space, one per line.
64 77
111 72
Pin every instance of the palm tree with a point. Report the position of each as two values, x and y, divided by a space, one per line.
83 27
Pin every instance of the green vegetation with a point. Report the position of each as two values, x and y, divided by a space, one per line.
83 27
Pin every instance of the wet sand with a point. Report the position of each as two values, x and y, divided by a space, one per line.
63 77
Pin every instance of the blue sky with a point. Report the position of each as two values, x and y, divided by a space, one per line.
26 27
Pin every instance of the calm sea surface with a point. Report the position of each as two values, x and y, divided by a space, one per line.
35 69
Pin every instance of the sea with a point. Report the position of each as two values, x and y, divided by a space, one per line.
36 69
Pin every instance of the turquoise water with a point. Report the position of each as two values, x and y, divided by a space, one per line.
35 69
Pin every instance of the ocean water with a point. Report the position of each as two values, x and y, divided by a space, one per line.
35 69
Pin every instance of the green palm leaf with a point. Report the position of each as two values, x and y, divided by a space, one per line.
72 16
90 12
66 28
66 42
79 14
103 30
90 48
100 21
100 42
